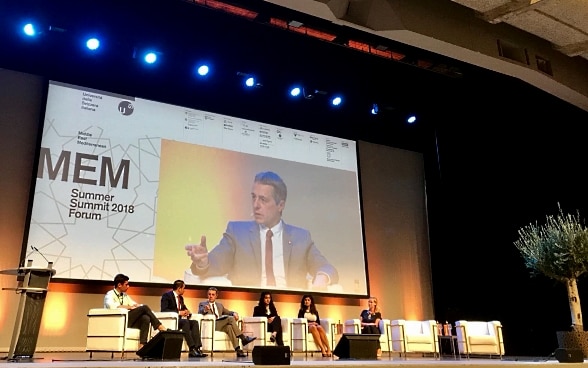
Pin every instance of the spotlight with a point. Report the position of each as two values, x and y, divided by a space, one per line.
411 119
249 80
336 101
375 109
150 57
93 44
295 92
29 30
203 70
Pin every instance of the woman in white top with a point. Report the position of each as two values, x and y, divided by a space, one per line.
308 311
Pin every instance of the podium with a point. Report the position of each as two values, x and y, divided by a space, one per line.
32 285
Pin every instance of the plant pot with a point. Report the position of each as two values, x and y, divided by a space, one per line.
577 340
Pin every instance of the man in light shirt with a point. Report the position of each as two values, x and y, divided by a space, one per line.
140 316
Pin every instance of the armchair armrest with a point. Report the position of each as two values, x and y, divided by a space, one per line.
352 326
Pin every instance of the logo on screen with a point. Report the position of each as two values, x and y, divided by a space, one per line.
126 108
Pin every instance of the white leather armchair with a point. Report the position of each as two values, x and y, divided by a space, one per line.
353 326
257 326
108 332
300 337
213 340
410 336
479 337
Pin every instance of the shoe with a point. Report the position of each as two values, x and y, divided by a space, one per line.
246 340
240 353
272 338
196 353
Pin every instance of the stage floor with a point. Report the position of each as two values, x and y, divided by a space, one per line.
70 360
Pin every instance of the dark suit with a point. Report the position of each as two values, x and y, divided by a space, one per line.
275 326
227 325
238 255
191 328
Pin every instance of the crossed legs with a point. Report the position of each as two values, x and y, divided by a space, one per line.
320 339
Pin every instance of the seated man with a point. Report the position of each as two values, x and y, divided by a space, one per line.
173 301
228 322
140 316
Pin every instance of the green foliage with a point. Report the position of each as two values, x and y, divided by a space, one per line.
558 249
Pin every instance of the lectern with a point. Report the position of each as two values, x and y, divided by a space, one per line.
32 285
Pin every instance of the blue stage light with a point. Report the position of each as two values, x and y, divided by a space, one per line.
295 92
411 119
336 101
203 70
29 29
150 57
93 44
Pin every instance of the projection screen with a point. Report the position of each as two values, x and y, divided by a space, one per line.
124 184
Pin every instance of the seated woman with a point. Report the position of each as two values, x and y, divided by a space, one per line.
308 311
266 308
370 319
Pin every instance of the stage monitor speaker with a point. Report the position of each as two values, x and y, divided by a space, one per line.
271 355
358 346
569 355
164 345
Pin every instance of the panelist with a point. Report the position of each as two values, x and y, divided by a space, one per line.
265 252
140 316
173 301
226 320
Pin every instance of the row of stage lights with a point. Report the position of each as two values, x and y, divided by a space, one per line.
249 81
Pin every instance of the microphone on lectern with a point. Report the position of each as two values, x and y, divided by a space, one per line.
38 251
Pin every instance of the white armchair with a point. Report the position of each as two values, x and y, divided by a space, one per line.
300 337
475 337
353 326
409 336
108 332
213 340
257 326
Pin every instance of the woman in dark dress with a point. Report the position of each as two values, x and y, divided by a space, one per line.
370 319
266 308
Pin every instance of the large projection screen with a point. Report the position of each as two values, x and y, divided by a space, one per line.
124 184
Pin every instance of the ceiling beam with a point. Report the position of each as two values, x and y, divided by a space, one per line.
573 49
501 12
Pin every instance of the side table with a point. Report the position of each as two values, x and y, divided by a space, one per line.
450 340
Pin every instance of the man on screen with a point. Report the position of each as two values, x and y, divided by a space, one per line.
265 252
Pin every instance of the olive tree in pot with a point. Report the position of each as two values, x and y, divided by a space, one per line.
558 249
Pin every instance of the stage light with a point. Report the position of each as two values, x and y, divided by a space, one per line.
336 101
375 109
295 91
93 44
411 119
249 80
203 70
29 30
150 57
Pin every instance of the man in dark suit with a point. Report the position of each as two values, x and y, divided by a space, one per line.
226 320
173 301
243 250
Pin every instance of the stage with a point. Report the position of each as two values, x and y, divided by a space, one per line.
70 360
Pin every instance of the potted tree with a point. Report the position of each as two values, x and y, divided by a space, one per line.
558 249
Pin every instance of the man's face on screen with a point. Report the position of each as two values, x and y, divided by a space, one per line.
265 209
